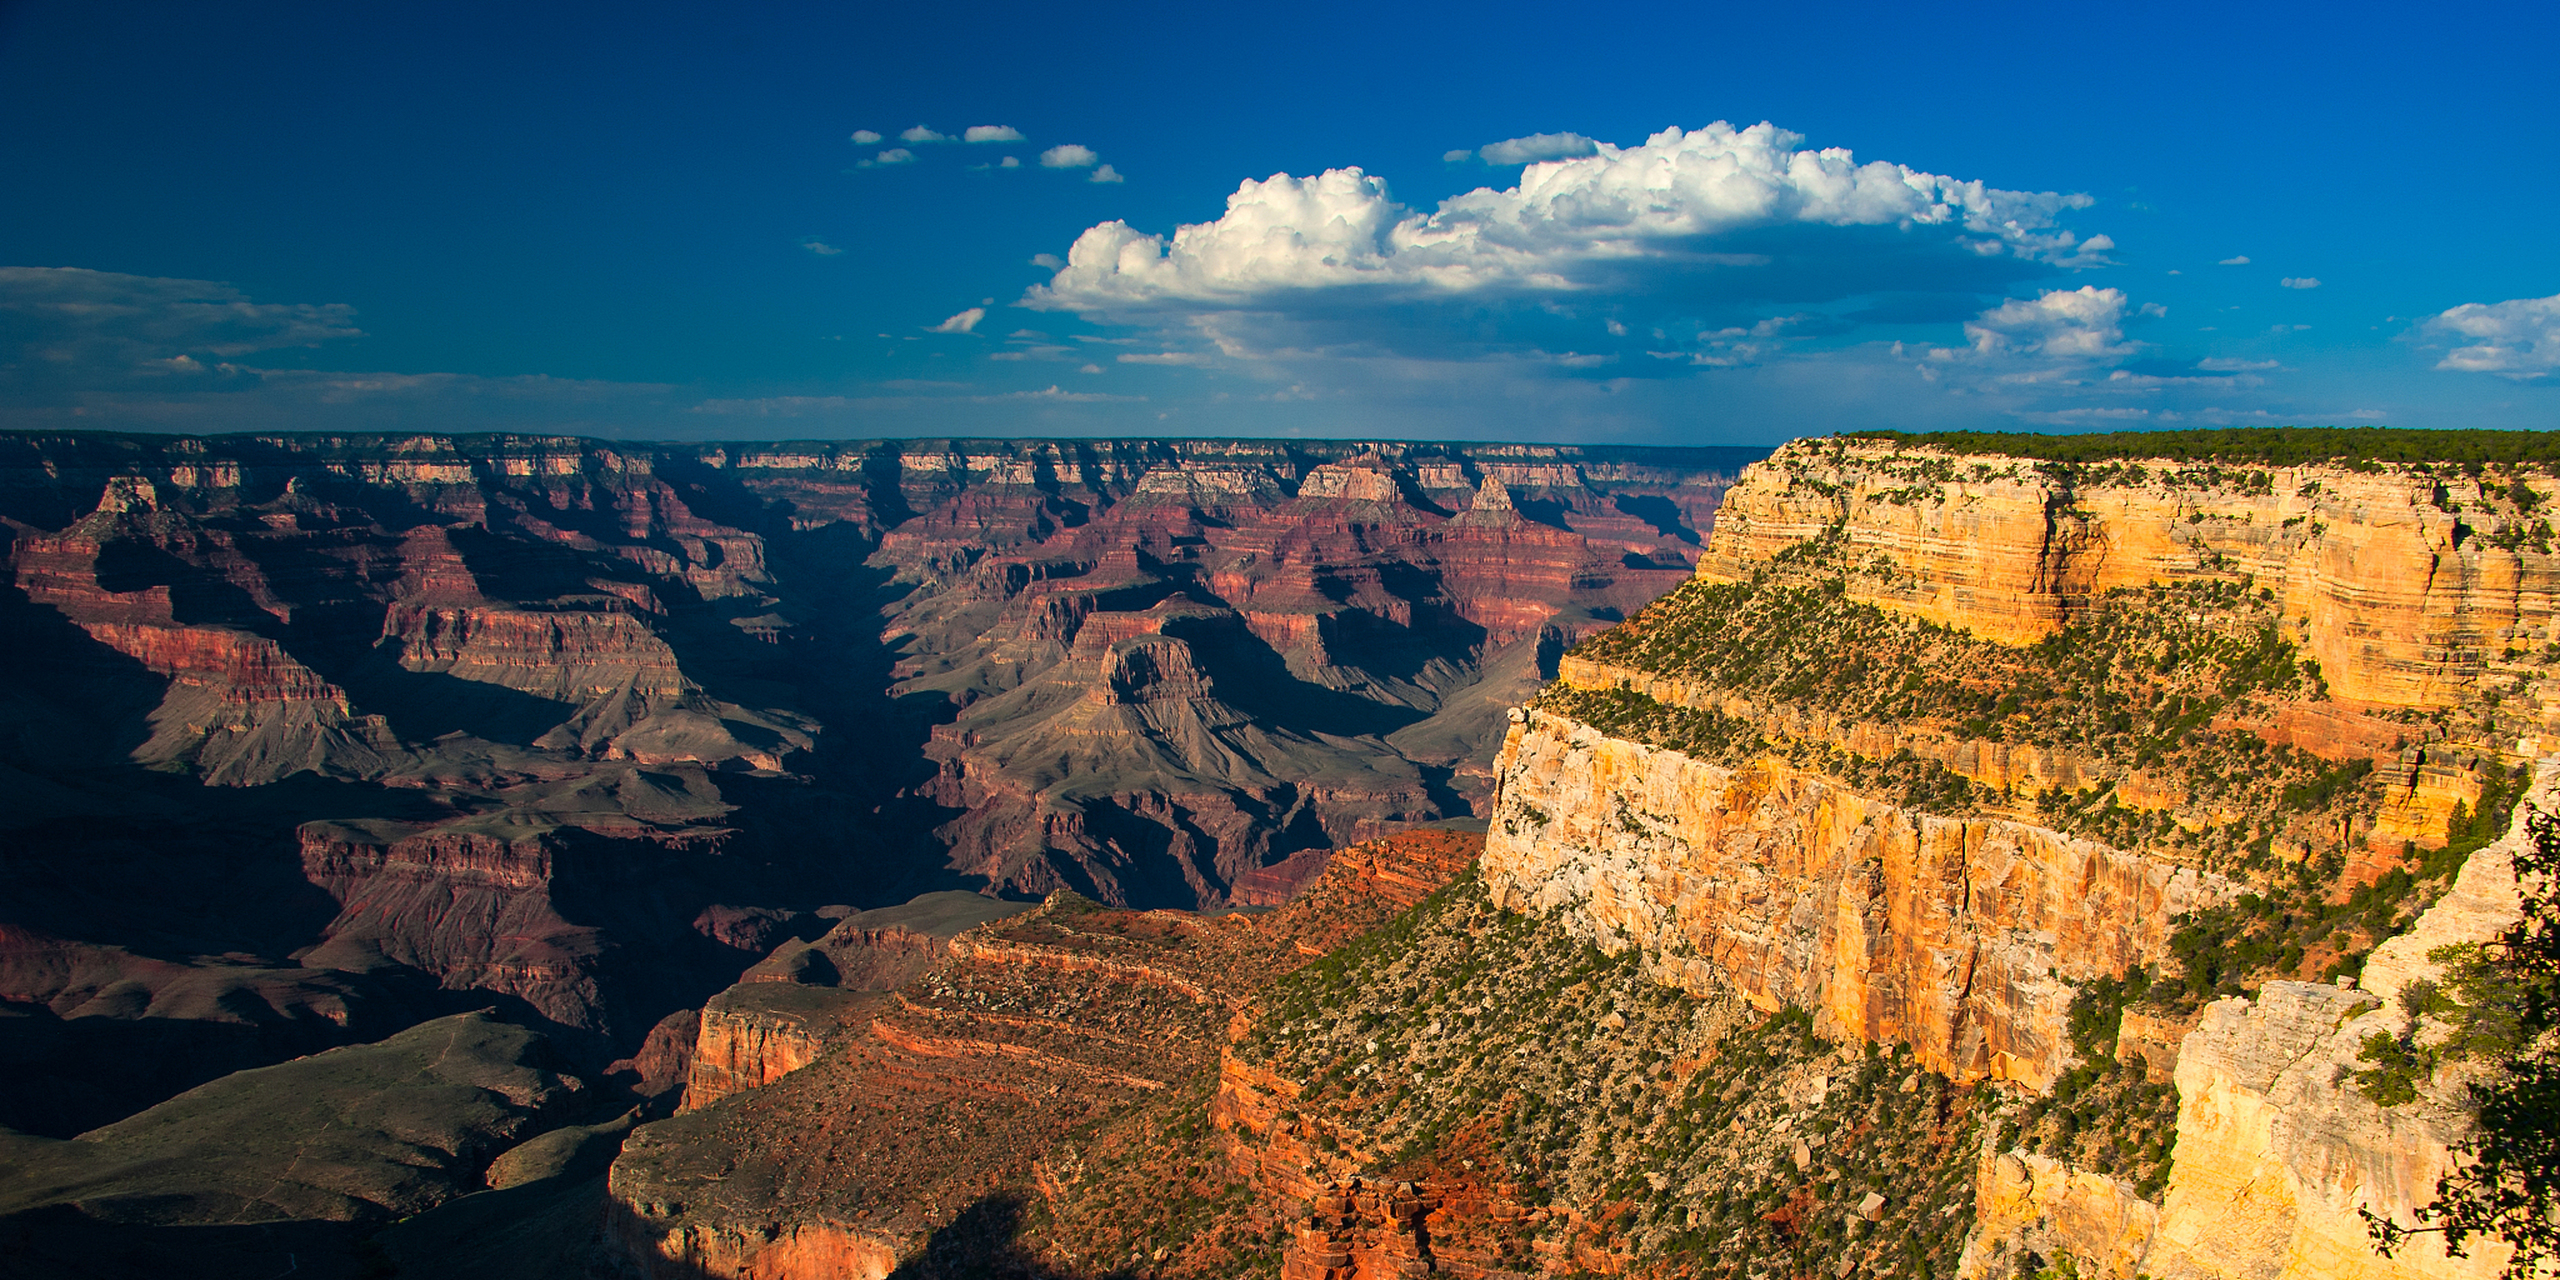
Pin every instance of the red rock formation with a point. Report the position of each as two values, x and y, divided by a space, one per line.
473 909
756 1033
951 1093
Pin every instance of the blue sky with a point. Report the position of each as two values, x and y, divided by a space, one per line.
1566 223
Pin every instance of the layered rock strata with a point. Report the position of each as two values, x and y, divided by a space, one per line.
2410 586
1962 938
2278 1154
792 1004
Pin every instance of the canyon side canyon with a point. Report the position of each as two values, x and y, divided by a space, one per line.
1324 860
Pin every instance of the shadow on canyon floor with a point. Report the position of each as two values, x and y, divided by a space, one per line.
986 1242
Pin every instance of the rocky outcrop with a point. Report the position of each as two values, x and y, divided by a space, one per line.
932 1099
798 1251
790 1006
1359 1227
2277 1150
2032 1205
1961 937
1766 873
756 1033
2408 585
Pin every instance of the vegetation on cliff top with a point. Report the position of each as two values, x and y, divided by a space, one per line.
2264 446
2146 701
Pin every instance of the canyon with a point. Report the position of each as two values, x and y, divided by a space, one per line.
311 739
1902 857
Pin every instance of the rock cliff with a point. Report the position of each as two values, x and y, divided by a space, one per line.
1976 862
1961 937
2411 586
1952 749
2278 1151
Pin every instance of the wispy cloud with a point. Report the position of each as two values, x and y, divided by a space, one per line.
2240 260
821 248
1071 397
67 326
2300 282
1035 351
964 322
1537 147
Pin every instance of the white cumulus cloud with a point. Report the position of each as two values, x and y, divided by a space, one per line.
1617 206
894 155
2300 282
961 323
1071 155
1537 147
865 137
1009 162
1106 174
2083 324
921 134
2519 338
992 133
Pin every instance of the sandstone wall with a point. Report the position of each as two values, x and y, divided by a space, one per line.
1960 937
2031 1203
2404 602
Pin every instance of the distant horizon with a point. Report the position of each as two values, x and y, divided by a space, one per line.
847 441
